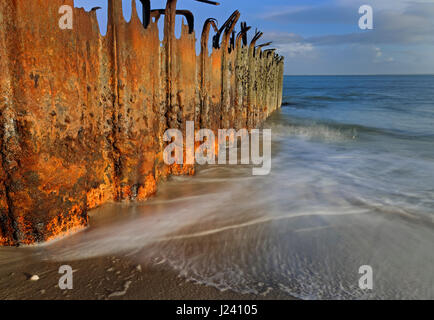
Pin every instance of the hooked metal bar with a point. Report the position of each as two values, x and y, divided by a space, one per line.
242 35
268 52
264 45
209 2
146 10
229 29
210 22
156 13
229 22
245 28
257 36
232 41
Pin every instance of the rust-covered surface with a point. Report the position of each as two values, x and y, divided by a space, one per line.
82 115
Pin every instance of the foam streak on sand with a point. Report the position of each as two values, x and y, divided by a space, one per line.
257 221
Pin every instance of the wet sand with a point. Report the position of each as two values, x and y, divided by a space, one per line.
106 278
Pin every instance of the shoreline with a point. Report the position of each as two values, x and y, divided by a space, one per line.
109 278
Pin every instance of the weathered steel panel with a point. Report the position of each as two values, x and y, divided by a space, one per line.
82 115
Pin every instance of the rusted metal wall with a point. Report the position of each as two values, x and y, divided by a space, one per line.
82 115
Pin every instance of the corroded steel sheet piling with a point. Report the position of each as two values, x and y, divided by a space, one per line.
82 115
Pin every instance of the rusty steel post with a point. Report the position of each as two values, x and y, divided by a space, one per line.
82 116
202 119
227 69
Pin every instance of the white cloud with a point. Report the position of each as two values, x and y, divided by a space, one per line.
289 44
294 49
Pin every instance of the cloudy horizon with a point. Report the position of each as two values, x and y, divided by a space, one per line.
323 37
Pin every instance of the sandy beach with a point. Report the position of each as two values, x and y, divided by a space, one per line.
108 278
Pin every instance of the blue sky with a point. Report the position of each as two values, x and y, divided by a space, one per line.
323 37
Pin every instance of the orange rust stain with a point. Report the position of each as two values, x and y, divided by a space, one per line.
56 175
149 189
126 192
64 225
182 170
99 196
6 241
26 230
